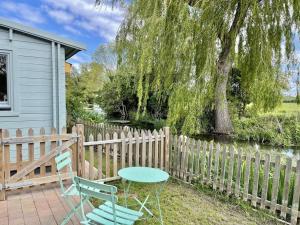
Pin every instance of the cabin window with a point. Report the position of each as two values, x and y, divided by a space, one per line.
5 101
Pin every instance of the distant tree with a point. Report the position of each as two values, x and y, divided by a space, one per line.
118 96
189 47
82 89
92 77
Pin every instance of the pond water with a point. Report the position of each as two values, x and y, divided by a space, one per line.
291 151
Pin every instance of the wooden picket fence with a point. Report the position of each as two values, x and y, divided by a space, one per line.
266 181
110 152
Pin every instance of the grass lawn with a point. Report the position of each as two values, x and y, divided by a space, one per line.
289 108
183 205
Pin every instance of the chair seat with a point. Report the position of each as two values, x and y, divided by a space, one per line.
104 215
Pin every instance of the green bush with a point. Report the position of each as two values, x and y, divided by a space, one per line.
146 122
92 117
269 129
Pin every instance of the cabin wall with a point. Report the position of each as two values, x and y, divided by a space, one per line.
33 97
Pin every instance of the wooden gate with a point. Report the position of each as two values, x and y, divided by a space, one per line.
28 160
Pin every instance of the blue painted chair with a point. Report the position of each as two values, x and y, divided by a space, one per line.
108 213
64 165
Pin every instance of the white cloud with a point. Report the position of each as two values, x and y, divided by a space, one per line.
72 30
60 16
25 13
82 15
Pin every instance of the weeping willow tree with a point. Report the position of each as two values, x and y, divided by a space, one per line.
187 49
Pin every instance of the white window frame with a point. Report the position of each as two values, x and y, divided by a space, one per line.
9 106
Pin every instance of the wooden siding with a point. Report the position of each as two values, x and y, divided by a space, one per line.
33 85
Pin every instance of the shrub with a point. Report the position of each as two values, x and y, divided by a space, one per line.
269 129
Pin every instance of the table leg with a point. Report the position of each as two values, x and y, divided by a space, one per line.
126 191
158 191
143 205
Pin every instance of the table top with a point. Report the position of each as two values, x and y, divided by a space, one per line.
143 174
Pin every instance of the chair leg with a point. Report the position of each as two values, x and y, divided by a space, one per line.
73 210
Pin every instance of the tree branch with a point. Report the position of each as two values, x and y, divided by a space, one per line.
236 25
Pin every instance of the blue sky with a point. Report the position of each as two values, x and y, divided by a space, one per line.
78 20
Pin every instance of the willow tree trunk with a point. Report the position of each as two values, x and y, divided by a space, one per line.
223 123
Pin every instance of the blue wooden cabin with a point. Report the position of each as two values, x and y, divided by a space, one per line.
32 77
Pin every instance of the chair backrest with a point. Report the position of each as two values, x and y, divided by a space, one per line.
64 161
100 191
97 190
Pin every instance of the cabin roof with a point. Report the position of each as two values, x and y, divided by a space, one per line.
71 47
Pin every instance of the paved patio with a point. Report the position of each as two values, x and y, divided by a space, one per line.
33 206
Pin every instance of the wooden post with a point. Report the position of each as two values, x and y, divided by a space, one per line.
162 154
80 150
203 162
167 148
143 148
91 158
247 177
230 170
129 148
265 184
2 177
74 151
223 168
100 152
137 148
216 173
115 156
295 203
276 177
53 146
31 151
107 156
42 152
19 151
255 179
286 187
238 174
198 155
150 153
209 163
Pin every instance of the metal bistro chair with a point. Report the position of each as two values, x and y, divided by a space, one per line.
64 161
108 213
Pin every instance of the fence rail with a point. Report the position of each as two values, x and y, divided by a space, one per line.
266 181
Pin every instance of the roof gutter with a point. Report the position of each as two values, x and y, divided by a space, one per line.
41 34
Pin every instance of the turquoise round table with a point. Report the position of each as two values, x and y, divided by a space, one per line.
145 175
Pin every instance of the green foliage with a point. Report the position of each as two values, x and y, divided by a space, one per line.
147 122
118 96
82 90
91 79
269 129
237 95
172 48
